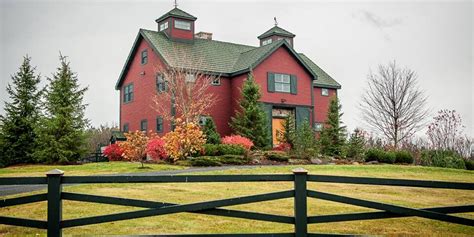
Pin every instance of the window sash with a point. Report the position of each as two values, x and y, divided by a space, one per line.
163 26
144 125
160 83
182 25
128 93
144 56
324 92
282 83
159 124
267 41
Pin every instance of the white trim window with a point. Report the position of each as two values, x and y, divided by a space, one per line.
163 26
216 82
182 25
324 92
282 83
267 41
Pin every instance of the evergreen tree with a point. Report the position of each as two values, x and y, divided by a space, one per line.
355 145
62 136
212 136
304 144
250 120
333 135
289 130
21 116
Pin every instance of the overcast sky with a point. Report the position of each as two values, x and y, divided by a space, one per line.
346 38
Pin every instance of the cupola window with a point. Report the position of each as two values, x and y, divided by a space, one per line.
267 41
183 25
163 26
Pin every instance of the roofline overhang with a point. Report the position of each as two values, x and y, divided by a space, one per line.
277 34
326 86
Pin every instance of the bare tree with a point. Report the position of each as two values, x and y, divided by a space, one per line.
446 133
184 87
392 104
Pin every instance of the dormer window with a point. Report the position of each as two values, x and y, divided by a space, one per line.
182 25
267 41
163 26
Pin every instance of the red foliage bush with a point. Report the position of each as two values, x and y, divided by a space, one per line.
238 140
156 149
283 147
113 152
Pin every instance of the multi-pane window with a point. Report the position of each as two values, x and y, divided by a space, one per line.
163 26
144 56
128 93
324 92
144 125
159 124
216 82
183 25
282 83
267 41
125 127
160 83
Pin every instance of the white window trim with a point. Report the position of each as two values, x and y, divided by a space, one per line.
216 82
185 25
284 80
267 41
163 26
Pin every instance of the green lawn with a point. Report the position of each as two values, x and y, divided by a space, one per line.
194 192
86 169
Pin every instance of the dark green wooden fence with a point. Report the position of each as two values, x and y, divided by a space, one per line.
55 179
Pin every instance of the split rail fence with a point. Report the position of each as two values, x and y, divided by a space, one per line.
54 196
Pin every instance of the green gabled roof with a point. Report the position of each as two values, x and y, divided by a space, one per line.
176 12
276 31
211 56
324 80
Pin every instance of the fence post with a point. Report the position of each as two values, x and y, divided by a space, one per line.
301 217
54 202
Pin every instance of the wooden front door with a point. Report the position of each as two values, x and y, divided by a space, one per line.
277 129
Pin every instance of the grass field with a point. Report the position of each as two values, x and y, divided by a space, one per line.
194 192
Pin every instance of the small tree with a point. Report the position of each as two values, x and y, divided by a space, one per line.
22 113
355 145
61 135
186 139
304 144
392 104
333 135
134 148
210 131
289 130
250 120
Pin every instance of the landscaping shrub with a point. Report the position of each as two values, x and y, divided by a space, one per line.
238 140
134 148
277 156
205 161
388 157
233 159
373 154
304 144
355 147
403 157
222 149
282 147
469 164
186 140
439 158
209 129
156 149
113 152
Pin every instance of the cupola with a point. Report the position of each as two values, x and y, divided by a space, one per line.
274 34
177 24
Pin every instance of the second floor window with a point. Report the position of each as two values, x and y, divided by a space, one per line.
163 26
159 124
324 92
144 56
160 83
144 125
128 93
125 127
182 25
282 83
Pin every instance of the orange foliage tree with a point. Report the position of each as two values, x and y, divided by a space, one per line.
135 147
185 140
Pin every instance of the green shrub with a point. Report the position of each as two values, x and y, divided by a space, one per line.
210 130
403 157
205 161
387 157
223 149
469 164
277 156
373 154
447 159
233 159
304 144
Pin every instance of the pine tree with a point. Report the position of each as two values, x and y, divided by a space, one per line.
21 116
304 144
212 136
289 130
250 120
333 135
62 136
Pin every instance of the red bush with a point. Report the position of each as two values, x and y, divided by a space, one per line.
238 140
283 147
156 149
113 152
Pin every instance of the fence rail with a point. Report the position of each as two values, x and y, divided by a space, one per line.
54 196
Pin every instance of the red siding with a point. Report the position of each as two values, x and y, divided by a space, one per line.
182 34
321 104
222 111
144 88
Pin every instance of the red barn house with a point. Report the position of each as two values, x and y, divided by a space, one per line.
290 82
